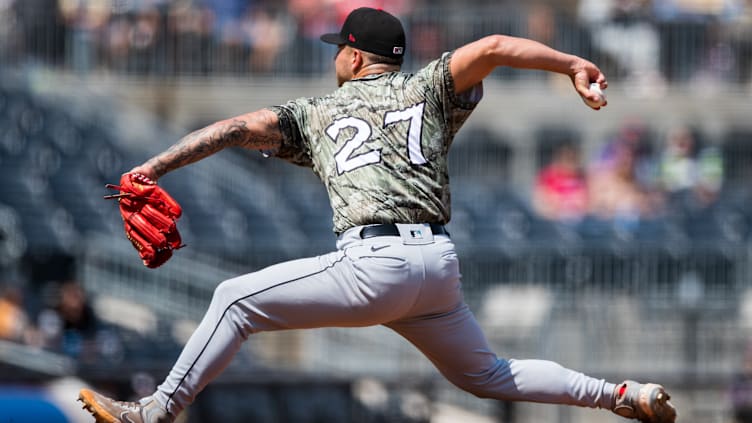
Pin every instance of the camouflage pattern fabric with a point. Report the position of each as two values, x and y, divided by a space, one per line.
379 144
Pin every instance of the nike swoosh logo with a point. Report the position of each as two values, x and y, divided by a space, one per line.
124 417
375 248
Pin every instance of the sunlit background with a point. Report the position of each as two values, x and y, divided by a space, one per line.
616 242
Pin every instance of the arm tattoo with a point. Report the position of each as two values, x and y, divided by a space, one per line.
213 138
270 136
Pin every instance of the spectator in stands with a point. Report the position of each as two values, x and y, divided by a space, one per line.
229 38
145 39
560 191
693 10
116 41
69 323
688 172
14 322
9 27
190 33
266 34
678 165
39 28
311 18
75 310
620 181
227 14
541 23
738 33
428 38
623 30
686 29
85 22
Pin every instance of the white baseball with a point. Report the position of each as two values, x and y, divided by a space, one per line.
596 88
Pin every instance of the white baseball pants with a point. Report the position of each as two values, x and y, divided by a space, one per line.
413 289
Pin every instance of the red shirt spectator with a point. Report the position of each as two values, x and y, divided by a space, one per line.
561 188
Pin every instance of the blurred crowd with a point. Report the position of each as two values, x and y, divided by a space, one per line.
674 40
58 318
630 177
158 36
656 40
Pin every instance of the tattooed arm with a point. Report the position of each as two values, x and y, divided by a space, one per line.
256 130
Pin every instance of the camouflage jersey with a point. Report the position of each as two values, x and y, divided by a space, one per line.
379 144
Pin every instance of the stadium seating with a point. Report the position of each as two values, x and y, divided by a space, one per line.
243 211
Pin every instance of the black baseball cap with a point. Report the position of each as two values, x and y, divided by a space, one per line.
371 30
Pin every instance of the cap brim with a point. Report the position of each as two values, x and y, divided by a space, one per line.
332 39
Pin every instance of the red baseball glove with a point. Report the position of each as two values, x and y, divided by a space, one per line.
149 215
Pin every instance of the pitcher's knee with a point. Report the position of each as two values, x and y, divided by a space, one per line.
225 293
494 382
230 306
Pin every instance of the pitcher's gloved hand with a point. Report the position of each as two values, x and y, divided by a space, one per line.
149 215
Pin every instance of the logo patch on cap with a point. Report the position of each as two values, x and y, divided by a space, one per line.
397 50
351 38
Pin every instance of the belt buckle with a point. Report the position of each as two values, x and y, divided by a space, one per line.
415 233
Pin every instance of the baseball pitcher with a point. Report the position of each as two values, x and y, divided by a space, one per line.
379 144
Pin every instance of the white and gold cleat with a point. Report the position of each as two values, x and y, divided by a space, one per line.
648 403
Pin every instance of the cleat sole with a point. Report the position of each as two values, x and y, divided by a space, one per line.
89 404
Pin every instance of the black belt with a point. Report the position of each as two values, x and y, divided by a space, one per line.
390 229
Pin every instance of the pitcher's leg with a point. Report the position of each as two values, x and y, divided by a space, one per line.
456 345
234 314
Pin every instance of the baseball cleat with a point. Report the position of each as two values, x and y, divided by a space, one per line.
648 403
106 410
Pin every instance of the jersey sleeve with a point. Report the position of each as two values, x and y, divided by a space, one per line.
457 107
294 147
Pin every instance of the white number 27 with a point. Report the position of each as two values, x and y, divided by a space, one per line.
347 160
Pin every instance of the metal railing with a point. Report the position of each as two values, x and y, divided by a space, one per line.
596 296
181 289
